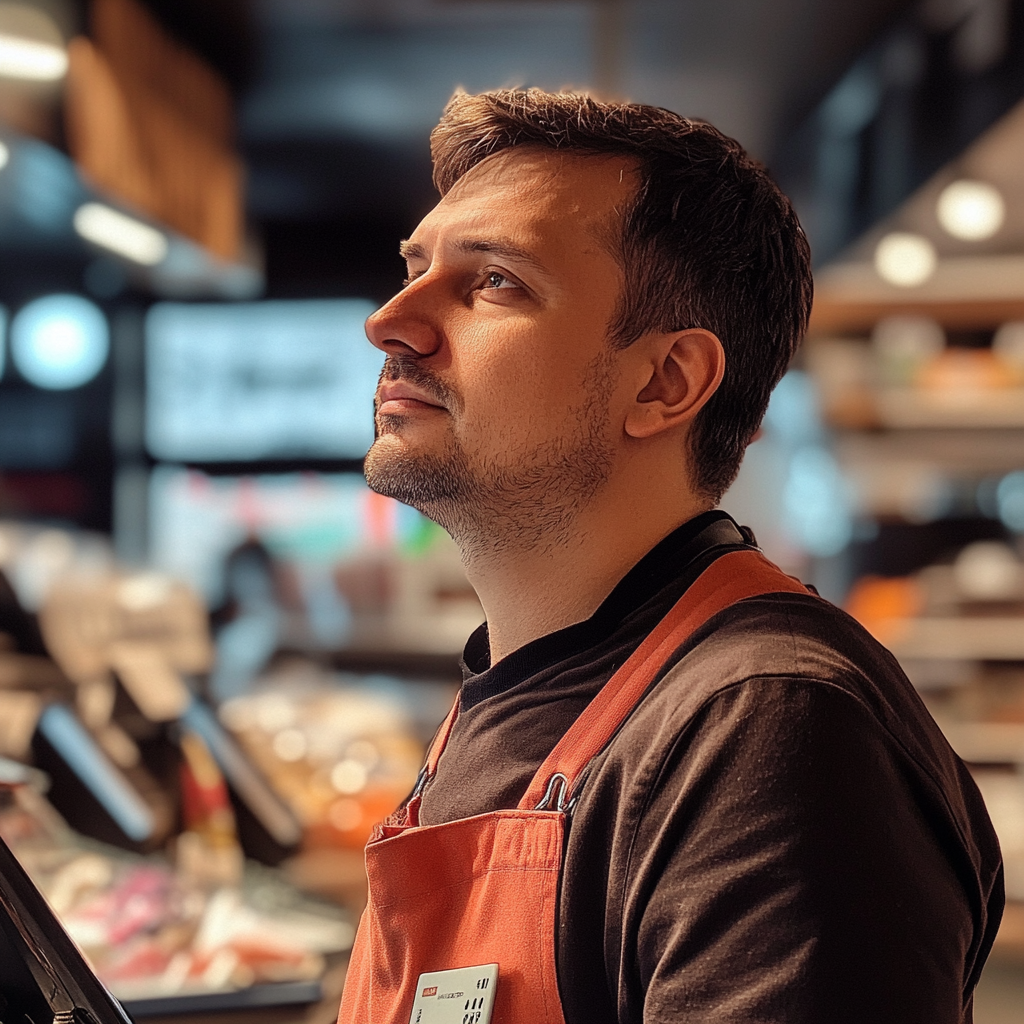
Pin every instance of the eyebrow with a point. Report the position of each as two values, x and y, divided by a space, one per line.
411 251
496 247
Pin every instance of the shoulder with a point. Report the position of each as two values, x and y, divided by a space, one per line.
781 778
787 694
813 658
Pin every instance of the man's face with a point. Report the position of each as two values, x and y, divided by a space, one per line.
495 412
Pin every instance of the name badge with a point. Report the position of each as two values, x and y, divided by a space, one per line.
462 996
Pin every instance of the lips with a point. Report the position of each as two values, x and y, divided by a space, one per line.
400 397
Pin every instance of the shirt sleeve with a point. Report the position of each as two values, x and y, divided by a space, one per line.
792 865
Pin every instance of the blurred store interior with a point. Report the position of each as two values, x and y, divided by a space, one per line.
220 653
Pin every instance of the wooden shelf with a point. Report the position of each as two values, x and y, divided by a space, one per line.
837 316
918 408
965 293
963 639
986 742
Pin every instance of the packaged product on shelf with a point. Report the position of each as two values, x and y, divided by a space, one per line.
135 644
151 931
343 750
957 627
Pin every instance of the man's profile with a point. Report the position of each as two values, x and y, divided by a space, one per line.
677 785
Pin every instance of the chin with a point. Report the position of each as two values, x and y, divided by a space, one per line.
412 475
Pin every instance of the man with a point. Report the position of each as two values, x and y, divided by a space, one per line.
753 817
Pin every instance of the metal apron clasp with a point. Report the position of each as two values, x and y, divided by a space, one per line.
559 784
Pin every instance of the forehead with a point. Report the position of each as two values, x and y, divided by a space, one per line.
539 196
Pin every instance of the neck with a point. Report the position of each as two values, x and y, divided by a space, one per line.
529 593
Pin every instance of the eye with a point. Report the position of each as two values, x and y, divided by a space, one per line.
494 280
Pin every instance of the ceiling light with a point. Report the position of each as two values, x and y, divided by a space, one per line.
971 210
905 260
31 45
59 341
120 233
37 62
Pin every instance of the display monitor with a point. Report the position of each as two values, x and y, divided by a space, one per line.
238 382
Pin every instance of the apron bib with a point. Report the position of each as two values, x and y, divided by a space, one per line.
485 889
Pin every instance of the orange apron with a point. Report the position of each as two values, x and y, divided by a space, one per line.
485 889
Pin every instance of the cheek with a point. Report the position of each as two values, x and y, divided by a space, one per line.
519 378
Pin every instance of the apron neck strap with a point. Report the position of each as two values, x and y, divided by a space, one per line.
439 742
732 577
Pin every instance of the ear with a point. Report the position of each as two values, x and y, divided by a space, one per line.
682 370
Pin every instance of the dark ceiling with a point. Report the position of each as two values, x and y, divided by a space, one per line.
336 97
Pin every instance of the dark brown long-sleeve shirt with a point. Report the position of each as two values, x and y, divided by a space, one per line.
779 834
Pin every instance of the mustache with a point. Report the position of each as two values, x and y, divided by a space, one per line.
408 368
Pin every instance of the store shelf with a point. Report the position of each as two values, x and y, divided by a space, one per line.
975 292
959 452
919 408
962 639
986 742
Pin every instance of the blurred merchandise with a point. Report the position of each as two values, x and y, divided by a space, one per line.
957 627
902 345
207 848
316 559
883 606
34 557
150 931
136 755
148 628
135 644
907 378
971 608
1003 792
343 750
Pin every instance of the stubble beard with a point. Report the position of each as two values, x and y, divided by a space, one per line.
524 500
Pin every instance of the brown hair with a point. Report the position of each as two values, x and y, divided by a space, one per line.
709 241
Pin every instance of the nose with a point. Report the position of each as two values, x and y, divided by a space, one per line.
405 325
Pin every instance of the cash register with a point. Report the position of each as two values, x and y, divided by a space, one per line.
43 976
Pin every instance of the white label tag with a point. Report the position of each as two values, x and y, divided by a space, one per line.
462 996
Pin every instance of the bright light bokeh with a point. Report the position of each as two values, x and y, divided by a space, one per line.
904 259
35 62
971 210
104 226
59 341
31 45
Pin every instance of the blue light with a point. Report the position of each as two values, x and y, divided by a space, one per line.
816 503
60 341
1010 500
793 414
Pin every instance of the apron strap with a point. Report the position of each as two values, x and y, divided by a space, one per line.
441 739
730 578
436 749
